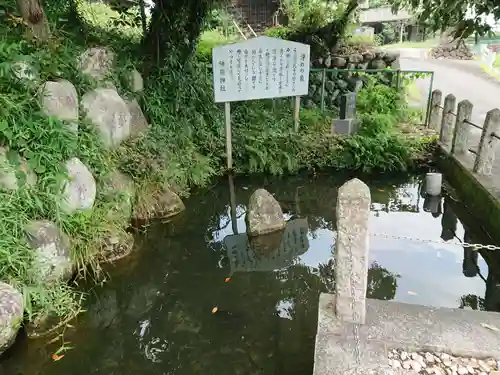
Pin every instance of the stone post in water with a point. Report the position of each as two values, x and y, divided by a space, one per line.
351 251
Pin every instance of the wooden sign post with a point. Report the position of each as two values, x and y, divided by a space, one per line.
229 140
259 68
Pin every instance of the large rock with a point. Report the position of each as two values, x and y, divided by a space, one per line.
136 81
264 214
79 190
138 123
109 113
14 171
11 315
158 204
116 246
51 251
60 99
96 62
119 190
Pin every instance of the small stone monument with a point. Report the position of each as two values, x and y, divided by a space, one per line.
346 124
351 251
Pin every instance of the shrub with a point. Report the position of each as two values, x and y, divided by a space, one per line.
282 32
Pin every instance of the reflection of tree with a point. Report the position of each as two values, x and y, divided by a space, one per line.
382 284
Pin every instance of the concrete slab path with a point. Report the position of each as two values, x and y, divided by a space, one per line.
392 325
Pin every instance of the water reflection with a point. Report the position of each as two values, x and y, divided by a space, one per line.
155 315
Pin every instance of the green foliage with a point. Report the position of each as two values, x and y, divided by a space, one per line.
282 32
209 40
362 41
46 143
464 18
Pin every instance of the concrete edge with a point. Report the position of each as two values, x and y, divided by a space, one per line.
402 326
479 194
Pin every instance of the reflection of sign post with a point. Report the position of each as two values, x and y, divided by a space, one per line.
259 68
294 242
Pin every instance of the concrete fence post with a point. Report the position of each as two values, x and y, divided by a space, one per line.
448 120
351 251
488 144
435 110
462 128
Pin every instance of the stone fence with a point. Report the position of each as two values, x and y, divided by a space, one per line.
453 122
468 163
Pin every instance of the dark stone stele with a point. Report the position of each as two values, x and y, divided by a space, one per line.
346 124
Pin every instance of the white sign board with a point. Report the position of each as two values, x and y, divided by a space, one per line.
260 68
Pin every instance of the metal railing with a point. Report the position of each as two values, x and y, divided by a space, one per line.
391 77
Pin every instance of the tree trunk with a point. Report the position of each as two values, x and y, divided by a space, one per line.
174 29
35 19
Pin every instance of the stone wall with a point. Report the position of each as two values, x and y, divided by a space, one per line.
116 118
343 81
455 51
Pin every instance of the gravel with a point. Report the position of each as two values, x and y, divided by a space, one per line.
426 363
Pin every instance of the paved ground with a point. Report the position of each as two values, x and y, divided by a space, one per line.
464 79
392 325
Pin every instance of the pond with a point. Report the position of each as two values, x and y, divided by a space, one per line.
155 314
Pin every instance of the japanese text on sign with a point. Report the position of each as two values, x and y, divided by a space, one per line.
260 68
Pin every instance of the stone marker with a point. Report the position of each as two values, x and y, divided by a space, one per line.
109 113
346 124
351 251
60 99
79 191
52 260
11 315
264 214
96 62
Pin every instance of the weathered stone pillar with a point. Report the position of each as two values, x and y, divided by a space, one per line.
446 133
435 110
462 129
351 251
488 144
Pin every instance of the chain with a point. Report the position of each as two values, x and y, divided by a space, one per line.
355 315
474 246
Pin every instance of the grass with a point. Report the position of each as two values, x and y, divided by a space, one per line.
184 147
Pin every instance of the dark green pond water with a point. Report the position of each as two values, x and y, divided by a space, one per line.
154 315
